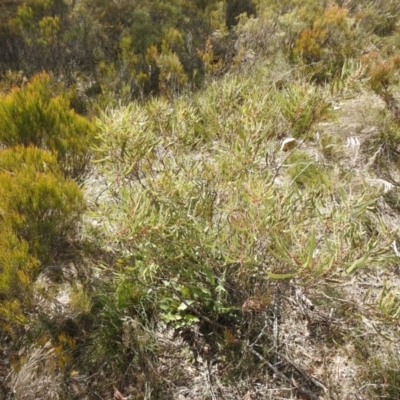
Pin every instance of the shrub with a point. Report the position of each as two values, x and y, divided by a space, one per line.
303 169
16 267
236 7
383 76
36 201
37 115
172 77
193 210
375 16
302 107
327 43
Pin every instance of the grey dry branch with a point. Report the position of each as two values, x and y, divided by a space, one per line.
296 387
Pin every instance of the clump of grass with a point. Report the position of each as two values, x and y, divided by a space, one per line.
382 375
303 106
304 170
38 376
331 147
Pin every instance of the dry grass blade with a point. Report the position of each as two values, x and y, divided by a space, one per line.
38 377
303 373
119 396
300 389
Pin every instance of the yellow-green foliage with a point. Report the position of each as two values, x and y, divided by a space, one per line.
16 268
38 204
37 114
304 170
172 77
197 203
302 107
39 209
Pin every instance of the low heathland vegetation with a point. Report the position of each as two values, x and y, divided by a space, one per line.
199 201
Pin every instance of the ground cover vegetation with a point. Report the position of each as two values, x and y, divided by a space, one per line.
199 200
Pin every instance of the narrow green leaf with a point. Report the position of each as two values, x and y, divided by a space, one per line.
281 276
356 265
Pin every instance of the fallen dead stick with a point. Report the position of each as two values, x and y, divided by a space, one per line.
279 374
303 373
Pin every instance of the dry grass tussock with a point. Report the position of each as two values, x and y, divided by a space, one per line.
39 376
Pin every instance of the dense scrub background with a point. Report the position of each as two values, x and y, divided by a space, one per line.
199 199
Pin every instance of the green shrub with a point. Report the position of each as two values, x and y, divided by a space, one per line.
304 170
326 45
205 225
303 107
16 268
116 339
193 210
37 115
36 201
375 16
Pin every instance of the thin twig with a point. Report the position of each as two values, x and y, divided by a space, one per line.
280 375
259 336
303 373
278 168
275 327
209 381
